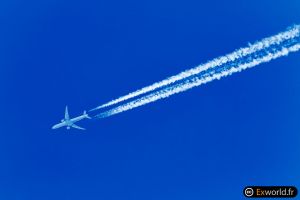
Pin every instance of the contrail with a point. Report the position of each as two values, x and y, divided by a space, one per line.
261 52
238 54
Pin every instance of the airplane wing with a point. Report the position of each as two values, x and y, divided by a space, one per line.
67 117
77 127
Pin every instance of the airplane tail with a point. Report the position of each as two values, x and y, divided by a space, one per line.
87 116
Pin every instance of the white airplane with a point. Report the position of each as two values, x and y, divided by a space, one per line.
71 122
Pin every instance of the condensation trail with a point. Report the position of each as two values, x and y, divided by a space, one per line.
238 54
282 47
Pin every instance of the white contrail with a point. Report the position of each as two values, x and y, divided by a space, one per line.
265 43
197 81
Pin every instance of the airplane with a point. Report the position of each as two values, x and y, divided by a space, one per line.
71 122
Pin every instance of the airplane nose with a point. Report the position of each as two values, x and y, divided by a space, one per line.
54 127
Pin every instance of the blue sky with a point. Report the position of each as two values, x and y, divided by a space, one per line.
207 143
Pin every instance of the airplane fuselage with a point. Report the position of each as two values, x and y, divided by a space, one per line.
64 123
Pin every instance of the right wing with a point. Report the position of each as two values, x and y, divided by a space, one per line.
77 127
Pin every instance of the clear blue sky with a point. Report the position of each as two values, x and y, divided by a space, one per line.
207 143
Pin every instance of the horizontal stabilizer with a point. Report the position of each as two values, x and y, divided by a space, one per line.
86 115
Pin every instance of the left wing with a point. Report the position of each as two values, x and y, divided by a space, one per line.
67 117
77 127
